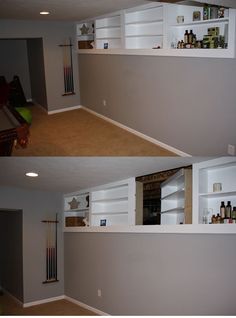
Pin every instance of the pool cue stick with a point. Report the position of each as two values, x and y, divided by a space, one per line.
47 243
71 68
56 248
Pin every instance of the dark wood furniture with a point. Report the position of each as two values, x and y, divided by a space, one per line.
14 130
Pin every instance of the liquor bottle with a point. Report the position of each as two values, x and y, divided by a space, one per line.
228 210
186 37
190 37
234 214
222 210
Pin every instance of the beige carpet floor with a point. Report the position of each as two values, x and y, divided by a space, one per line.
57 308
79 133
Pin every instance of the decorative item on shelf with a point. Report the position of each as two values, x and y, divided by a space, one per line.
74 221
86 222
213 12
207 213
180 19
221 12
105 46
206 12
84 30
87 199
74 204
217 187
196 16
103 222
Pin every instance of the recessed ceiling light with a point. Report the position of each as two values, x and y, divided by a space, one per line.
32 174
44 12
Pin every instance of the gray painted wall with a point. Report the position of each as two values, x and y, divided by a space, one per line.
37 73
14 61
36 206
11 256
53 34
152 274
187 103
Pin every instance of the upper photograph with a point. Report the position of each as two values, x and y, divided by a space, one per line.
117 78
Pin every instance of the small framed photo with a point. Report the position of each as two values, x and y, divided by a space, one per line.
103 222
196 15
105 46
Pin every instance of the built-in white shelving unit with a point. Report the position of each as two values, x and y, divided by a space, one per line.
113 204
85 40
206 202
108 32
143 29
176 205
76 208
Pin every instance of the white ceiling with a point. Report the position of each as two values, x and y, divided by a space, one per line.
76 10
67 10
69 174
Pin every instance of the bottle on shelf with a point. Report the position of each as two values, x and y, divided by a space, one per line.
186 37
234 214
222 210
206 12
228 210
190 37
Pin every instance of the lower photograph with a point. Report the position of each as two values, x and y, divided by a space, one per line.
117 236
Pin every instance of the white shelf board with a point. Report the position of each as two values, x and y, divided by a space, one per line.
179 194
109 213
201 53
217 194
108 38
76 210
162 229
210 21
143 35
174 210
140 22
108 27
110 200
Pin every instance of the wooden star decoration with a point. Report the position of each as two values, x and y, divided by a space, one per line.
84 30
74 204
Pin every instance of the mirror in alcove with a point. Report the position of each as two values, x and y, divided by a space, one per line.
167 197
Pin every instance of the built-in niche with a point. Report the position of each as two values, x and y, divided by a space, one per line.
152 194
25 59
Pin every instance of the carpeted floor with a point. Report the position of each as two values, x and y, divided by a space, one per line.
57 308
79 133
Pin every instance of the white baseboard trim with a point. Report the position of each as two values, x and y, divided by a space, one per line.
43 301
10 295
139 134
79 303
52 112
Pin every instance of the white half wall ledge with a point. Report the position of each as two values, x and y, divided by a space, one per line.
79 303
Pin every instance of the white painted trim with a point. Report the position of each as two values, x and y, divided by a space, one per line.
10 295
158 229
137 133
43 301
52 112
79 303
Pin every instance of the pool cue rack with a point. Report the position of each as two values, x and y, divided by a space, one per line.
68 69
51 251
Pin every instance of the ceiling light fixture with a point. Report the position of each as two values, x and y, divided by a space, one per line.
32 174
44 12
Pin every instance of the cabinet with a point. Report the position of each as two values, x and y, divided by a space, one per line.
118 203
144 27
108 32
176 198
206 201
76 208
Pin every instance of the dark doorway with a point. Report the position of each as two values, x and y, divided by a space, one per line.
11 256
